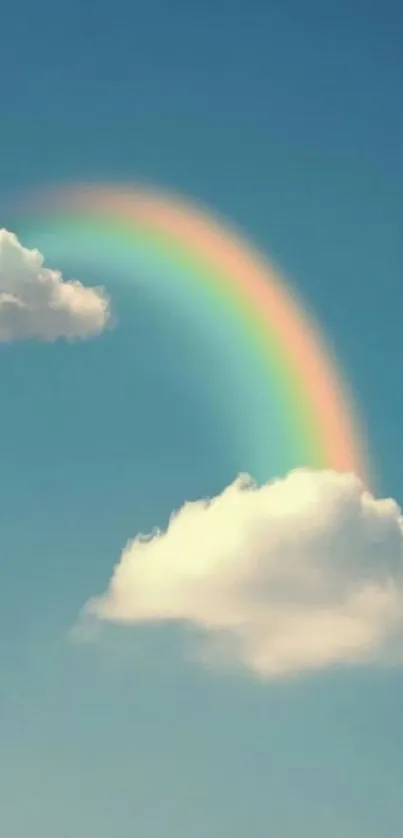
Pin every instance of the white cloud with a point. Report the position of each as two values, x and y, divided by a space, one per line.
35 302
298 574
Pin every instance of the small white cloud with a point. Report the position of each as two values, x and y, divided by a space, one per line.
298 574
35 302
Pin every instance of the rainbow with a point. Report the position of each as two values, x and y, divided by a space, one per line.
207 266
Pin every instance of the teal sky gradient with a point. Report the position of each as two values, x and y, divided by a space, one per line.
288 121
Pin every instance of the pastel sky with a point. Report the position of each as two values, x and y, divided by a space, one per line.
285 118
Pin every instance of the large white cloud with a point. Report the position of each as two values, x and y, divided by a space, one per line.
297 574
35 302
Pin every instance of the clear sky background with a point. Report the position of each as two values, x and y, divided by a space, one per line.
287 118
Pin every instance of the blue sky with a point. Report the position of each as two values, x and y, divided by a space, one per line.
287 119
